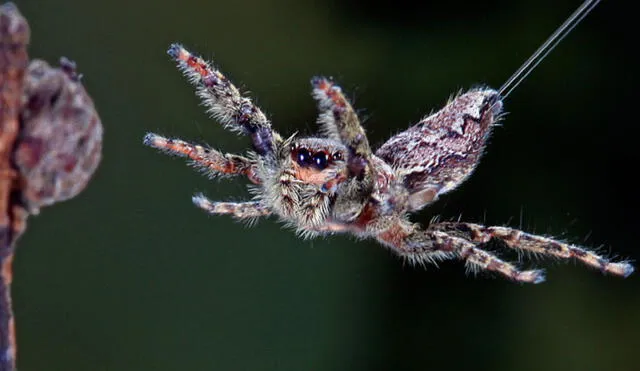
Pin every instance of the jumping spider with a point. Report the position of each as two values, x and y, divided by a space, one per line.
336 183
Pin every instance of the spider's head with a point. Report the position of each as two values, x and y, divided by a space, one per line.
302 188
315 160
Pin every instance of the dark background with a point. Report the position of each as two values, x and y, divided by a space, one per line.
131 276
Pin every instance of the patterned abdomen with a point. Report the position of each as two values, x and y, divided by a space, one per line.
440 152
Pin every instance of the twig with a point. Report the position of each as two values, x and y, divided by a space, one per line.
50 145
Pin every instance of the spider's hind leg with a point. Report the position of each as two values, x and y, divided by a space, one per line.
477 259
519 240
420 246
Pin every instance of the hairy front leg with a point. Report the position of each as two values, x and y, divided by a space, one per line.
339 121
428 246
520 240
207 159
224 101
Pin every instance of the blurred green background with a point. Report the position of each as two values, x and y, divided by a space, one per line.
131 276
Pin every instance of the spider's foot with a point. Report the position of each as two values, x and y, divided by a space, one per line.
169 146
328 94
622 269
174 50
201 201
533 276
153 140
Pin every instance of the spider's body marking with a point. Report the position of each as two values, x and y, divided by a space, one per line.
442 150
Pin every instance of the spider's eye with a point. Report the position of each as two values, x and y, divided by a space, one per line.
337 156
303 157
321 159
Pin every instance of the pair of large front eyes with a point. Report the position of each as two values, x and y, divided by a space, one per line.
318 159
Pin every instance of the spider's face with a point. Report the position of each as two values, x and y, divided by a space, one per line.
315 161
301 191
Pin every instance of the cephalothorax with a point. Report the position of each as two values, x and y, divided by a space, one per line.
336 183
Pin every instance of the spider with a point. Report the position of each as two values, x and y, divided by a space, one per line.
336 183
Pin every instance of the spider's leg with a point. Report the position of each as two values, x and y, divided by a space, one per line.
207 159
240 210
224 101
420 246
517 239
339 121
